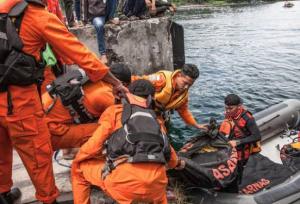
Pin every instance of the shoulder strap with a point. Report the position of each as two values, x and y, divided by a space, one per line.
83 114
18 9
36 2
13 23
127 111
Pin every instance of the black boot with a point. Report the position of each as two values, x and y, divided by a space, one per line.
11 196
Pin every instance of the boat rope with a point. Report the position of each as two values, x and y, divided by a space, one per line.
58 162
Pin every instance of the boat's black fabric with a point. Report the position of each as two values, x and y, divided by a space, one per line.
288 192
210 163
260 173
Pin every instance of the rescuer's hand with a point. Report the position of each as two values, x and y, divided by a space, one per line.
180 165
148 3
233 143
120 90
201 126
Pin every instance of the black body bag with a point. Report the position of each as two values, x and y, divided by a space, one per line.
210 162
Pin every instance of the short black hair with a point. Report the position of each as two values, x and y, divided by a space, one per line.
121 72
190 70
233 100
142 88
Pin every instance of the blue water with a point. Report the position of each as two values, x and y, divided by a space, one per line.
252 51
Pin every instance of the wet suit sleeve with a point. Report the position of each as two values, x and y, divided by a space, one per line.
186 114
255 133
68 47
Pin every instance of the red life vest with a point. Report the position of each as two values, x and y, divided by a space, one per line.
236 128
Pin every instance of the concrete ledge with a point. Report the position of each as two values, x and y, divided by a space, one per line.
145 45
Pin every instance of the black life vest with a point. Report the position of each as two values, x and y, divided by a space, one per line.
139 140
16 67
68 88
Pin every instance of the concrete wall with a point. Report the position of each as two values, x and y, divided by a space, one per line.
145 45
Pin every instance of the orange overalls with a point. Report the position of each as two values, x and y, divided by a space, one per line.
26 130
53 7
125 184
64 133
159 82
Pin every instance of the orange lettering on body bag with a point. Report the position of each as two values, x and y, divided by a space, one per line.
223 170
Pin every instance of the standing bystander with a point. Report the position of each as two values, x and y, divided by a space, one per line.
100 12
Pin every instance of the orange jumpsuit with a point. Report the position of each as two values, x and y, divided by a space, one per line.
159 82
26 130
125 184
64 133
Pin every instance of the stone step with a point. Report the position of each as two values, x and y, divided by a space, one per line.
62 179
21 178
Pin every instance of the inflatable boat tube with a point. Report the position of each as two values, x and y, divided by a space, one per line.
274 120
285 193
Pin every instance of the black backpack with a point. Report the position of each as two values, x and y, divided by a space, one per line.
139 140
16 67
70 93
210 162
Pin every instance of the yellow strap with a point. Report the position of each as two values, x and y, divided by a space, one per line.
296 145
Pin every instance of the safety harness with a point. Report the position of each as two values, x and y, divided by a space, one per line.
139 140
16 67
68 88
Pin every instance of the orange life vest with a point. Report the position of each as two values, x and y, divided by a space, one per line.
163 97
236 129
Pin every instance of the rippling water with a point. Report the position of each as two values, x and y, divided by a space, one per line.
252 51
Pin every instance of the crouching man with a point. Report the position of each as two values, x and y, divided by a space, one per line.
172 93
128 154
242 131
72 116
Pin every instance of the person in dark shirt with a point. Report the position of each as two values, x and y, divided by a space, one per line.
242 132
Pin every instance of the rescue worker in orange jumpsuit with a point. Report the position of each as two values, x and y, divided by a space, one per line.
241 129
65 131
106 160
172 92
22 124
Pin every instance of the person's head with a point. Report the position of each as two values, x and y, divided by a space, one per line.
142 88
186 77
232 103
121 72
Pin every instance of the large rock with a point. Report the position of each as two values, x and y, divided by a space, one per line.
145 45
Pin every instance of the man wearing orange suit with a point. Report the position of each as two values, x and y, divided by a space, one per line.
65 131
171 92
22 124
117 158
